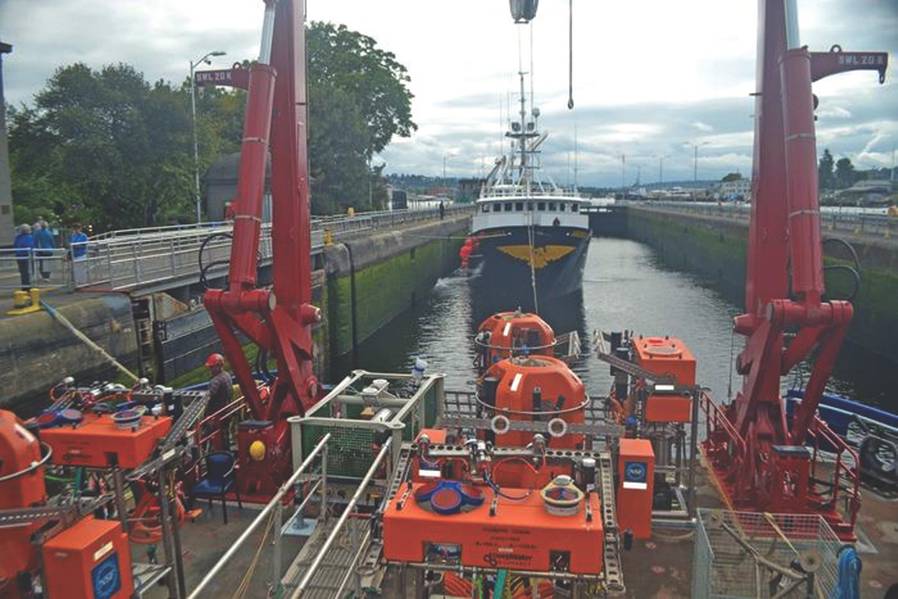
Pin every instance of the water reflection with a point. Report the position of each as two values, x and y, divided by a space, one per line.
624 287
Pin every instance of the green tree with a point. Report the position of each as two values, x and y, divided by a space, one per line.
337 141
103 146
825 177
845 175
107 148
731 177
358 100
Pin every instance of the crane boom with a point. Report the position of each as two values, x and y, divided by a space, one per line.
278 320
764 464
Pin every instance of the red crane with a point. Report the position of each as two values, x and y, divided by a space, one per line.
762 463
278 320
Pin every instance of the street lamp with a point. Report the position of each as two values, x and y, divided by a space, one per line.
661 168
445 158
196 151
695 147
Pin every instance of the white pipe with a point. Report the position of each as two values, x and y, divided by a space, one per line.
267 32
793 39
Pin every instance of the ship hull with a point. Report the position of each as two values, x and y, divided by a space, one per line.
503 263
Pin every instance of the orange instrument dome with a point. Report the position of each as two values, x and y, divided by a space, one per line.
528 388
507 334
21 486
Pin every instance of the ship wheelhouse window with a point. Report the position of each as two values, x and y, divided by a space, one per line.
551 206
486 208
562 206
575 207
541 206
507 206
529 206
519 206
497 207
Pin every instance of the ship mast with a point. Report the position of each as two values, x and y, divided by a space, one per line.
523 138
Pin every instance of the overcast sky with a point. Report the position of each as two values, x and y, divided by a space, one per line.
649 75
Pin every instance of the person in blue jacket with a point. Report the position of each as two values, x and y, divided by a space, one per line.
78 242
43 241
78 245
24 244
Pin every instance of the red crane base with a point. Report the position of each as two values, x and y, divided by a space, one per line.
786 479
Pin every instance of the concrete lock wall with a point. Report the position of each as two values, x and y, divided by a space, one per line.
371 281
716 248
38 352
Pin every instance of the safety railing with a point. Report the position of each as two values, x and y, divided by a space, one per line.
832 219
310 572
723 445
276 506
42 268
844 483
143 257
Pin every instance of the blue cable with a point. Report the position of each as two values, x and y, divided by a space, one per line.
849 567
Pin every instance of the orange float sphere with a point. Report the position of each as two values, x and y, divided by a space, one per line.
536 387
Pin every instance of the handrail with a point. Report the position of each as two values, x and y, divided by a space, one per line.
135 257
856 223
304 583
258 520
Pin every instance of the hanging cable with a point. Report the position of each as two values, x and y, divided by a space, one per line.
532 265
532 95
570 62
732 351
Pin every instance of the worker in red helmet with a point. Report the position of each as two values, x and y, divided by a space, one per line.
221 391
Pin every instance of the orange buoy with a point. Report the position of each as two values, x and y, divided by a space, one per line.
508 334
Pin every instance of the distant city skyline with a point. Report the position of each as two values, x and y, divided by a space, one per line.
651 77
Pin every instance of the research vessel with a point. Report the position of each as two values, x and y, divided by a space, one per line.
529 237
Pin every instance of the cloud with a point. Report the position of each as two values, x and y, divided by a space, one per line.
686 77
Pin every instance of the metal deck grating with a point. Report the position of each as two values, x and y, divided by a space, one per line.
329 576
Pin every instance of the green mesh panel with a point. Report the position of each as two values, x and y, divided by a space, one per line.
351 450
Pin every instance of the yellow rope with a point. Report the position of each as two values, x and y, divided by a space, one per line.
248 576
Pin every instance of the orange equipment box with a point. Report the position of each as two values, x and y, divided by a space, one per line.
521 536
667 355
635 492
90 560
98 443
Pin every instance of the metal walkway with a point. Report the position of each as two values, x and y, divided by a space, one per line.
165 257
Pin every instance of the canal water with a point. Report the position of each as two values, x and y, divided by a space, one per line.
624 287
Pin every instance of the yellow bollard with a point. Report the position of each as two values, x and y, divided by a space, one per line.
20 299
25 302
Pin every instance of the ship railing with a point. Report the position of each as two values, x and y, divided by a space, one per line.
211 430
844 482
491 193
723 443
726 449
273 513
